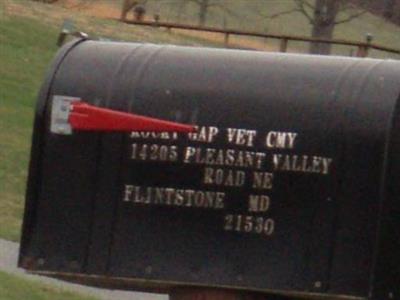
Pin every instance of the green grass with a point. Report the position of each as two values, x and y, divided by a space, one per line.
15 288
26 47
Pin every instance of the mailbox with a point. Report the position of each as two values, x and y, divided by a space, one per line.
289 185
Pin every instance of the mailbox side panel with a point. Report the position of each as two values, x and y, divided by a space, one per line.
61 182
35 170
386 277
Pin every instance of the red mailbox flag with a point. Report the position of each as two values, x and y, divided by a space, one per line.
87 117
70 113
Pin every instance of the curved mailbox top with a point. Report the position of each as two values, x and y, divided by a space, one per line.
289 185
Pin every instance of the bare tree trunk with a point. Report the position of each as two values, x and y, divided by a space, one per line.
388 8
203 12
323 32
127 6
324 24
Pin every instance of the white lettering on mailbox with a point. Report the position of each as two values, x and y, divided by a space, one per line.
302 163
174 197
204 134
280 140
224 177
224 157
241 137
232 168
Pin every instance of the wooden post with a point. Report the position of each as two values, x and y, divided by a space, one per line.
226 39
364 49
211 294
124 10
283 46
218 294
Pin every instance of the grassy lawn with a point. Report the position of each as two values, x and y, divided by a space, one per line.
15 288
26 47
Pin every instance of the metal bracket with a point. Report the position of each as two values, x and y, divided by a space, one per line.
60 111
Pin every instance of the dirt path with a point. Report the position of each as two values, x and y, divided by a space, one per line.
8 263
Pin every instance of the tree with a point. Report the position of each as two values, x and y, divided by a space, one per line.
205 5
323 16
388 8
129 5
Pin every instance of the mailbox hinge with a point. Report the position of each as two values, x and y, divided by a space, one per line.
60 111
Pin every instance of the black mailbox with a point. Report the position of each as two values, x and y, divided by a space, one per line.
290 185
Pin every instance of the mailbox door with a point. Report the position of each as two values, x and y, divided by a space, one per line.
269 220
279 190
